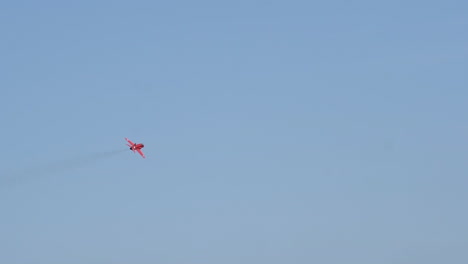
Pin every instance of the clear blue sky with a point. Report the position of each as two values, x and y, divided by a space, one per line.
275 132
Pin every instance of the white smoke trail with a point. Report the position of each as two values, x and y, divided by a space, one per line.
56 167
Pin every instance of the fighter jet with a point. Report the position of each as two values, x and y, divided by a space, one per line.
135 147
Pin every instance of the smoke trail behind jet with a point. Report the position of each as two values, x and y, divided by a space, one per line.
56 167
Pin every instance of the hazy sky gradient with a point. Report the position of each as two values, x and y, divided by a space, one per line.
275 132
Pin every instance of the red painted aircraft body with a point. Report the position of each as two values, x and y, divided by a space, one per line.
135 147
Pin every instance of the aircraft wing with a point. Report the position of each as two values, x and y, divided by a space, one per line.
141 153
129 141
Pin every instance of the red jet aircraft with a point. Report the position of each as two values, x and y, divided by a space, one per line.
136 147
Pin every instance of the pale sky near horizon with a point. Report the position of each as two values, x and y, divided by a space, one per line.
275 132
